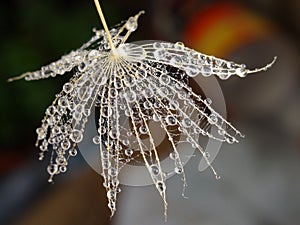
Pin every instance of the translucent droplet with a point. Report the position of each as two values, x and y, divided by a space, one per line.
76 136
96 140
206 154
114 134
230 140
156 117
148 92
125 142
41 133
113 93
154 169
131 24
130 96
73 152
206 71
65 144
128 152
147 105
171 120
102 130
84 93
192 71
164 79
174 105
207 101
51 110
82 67
68 88
63 169
159 54
63 102
186 122
112 171
178 170
111 205
217 177
111 194
52 169
175 60
160 186
173 155
221 132
212 119
143 129
106 164
93 54
141 73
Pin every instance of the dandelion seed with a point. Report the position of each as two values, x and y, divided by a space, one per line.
146 82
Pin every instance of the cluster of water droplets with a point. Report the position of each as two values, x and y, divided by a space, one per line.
131 88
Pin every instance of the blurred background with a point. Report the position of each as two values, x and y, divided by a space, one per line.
260 182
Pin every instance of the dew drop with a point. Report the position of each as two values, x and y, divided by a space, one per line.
154 169
178 170
96 140
171 120
68 88
186 122
128 152
76 136
52 169
212 119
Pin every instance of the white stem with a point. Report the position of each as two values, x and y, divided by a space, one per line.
112 47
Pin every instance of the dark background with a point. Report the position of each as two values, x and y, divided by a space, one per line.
34 33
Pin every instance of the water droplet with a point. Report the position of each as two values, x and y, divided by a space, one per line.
148 92
128 152
174 105
230 140
160 186
76 136
68 88
207 101
221 132
178 170
51 110
186 122
179 45
93 54
63 102
130 96
65 144
156 117
41 133
171 120
159 54
206 154
143 129
112 171
192 71
73 152
106 164
154 169
212 119
206 70
131 24
96 140
63 169
82 67
173 155
52 169
164 79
